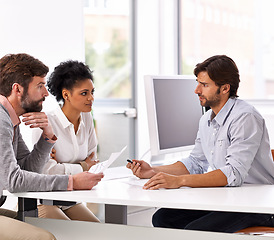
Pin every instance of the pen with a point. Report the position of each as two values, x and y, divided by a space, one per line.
129 161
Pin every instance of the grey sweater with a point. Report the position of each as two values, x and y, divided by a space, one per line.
20 168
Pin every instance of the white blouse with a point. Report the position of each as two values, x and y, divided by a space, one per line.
70 148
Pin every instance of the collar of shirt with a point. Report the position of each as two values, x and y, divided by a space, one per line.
224 112
14 118
64 121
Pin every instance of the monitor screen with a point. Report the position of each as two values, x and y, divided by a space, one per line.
174 112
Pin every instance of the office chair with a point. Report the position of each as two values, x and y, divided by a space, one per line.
259 229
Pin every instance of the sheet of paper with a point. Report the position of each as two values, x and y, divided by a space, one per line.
117 173
102 166
135 181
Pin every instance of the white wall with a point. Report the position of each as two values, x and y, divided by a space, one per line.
50 30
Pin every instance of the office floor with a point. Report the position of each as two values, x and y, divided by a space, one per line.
139 216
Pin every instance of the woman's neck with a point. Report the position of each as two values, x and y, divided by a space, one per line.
72 115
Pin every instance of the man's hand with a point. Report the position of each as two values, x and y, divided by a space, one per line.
141 169
89 160
86 180
214 178
38 120
163 180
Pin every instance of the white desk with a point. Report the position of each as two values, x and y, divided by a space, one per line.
117 195
248 198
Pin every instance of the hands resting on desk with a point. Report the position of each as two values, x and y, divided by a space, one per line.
157 179
175 175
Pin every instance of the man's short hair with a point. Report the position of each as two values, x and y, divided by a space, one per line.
19 68
222 70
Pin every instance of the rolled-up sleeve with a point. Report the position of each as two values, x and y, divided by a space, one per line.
245 135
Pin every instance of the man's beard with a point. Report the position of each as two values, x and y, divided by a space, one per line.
31 106
214 100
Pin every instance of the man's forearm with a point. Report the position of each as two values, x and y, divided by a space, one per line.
177 168
215 178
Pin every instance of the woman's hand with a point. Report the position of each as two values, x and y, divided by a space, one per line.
53 154
90 161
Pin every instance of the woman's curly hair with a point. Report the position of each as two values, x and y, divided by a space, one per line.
66 75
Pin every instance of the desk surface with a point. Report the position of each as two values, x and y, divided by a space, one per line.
248 198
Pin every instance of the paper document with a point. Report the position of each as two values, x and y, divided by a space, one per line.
102 166
117 173
135 181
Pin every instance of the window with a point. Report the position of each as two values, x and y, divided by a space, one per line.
107 33
240 29
108 46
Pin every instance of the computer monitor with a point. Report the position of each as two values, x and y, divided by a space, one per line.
173 111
